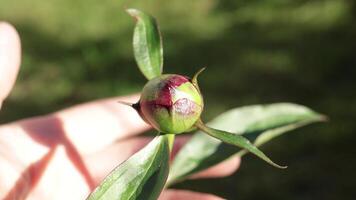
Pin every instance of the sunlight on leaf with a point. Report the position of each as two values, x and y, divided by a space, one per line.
147 44
237 140
142 176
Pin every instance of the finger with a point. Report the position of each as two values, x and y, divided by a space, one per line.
117 153
222 169
185 194
93 126
112 156
10 55
86 128
89 127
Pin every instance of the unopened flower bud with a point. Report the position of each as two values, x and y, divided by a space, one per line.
170 103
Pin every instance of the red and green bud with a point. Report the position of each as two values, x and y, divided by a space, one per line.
170 103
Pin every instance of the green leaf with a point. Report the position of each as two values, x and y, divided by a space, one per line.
270 134
237 140
258 123
142 176
147 44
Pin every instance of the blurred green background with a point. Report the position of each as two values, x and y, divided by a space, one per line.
301 51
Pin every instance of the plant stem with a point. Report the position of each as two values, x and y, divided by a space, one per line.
170 141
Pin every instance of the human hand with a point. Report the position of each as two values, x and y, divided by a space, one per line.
65 154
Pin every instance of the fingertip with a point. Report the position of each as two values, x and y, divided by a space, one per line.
5 26
10 56
10 41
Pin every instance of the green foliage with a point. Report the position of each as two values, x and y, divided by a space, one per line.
259 123
142 176
147 44
237 140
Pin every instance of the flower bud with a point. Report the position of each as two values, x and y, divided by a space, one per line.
170 103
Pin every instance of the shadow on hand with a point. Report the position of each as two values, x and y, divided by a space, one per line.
48 131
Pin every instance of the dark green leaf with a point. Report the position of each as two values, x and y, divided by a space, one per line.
237 140
258 123
147 44
142 176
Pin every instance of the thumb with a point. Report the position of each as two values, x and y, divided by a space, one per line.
10 56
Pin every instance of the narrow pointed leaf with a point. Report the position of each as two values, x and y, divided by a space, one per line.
147 44
272 133
237 140
258 123
142 176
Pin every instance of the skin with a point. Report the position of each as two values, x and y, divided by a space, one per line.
64 155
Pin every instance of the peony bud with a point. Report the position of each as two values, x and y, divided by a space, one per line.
170 103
